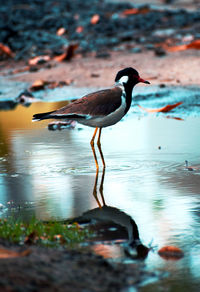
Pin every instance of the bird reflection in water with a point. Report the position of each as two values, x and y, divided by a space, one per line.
111 223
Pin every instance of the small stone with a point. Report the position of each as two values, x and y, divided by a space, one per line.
95 75
160 52
162 85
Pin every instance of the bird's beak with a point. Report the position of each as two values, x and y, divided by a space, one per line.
143 81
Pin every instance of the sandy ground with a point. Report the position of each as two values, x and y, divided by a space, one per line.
178 68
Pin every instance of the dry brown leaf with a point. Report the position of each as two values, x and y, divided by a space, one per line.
175 118
130 11
135 11
61 57
164 109
95 19
176 48
171 252
41 84
70 51
61 31
38 59
5 50
6 253
38 85
193 45
20 70
79 29
54 84
31 238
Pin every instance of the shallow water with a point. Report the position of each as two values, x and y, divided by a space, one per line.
51 174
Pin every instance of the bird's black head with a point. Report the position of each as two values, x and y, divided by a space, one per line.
129 76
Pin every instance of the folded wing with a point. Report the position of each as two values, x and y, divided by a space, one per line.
95 104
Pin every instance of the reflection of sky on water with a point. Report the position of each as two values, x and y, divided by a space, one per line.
55 172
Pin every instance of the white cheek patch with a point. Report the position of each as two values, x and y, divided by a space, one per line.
123 79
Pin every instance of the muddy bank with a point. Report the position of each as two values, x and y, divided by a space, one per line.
68 270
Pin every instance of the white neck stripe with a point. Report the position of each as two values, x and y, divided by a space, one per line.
123 79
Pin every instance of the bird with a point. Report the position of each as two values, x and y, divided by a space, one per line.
100 109
187 167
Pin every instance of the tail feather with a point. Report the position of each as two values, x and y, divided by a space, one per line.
53 115
41 116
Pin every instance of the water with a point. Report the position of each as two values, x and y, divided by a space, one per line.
52 173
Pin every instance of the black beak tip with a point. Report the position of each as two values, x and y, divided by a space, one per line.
147 82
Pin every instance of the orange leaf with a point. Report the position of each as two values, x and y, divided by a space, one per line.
95 18
132 11
177 48
38 59
6 50
175 118
6 253
193 45
70 51
79 29
54 84
61 57
37 85
171 252
61 31
20 70
164 109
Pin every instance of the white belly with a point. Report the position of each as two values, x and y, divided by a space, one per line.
106 121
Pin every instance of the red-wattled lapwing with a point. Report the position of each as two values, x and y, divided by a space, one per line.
100 109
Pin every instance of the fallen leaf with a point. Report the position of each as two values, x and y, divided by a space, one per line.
38 85
20 70
164 109
95 19
61 31
175 118
6 253
68 54
132 11
193 45
54 84
76 16
5 50
38 59
171 252
31 238
41 84
79 29
177 48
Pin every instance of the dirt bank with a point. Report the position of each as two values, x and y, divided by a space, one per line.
67 270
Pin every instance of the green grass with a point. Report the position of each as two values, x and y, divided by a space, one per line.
38 232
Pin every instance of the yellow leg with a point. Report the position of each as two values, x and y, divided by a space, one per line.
97 167
101 187
93 150
99 146
95 189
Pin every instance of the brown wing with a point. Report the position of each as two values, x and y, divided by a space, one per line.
98 103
